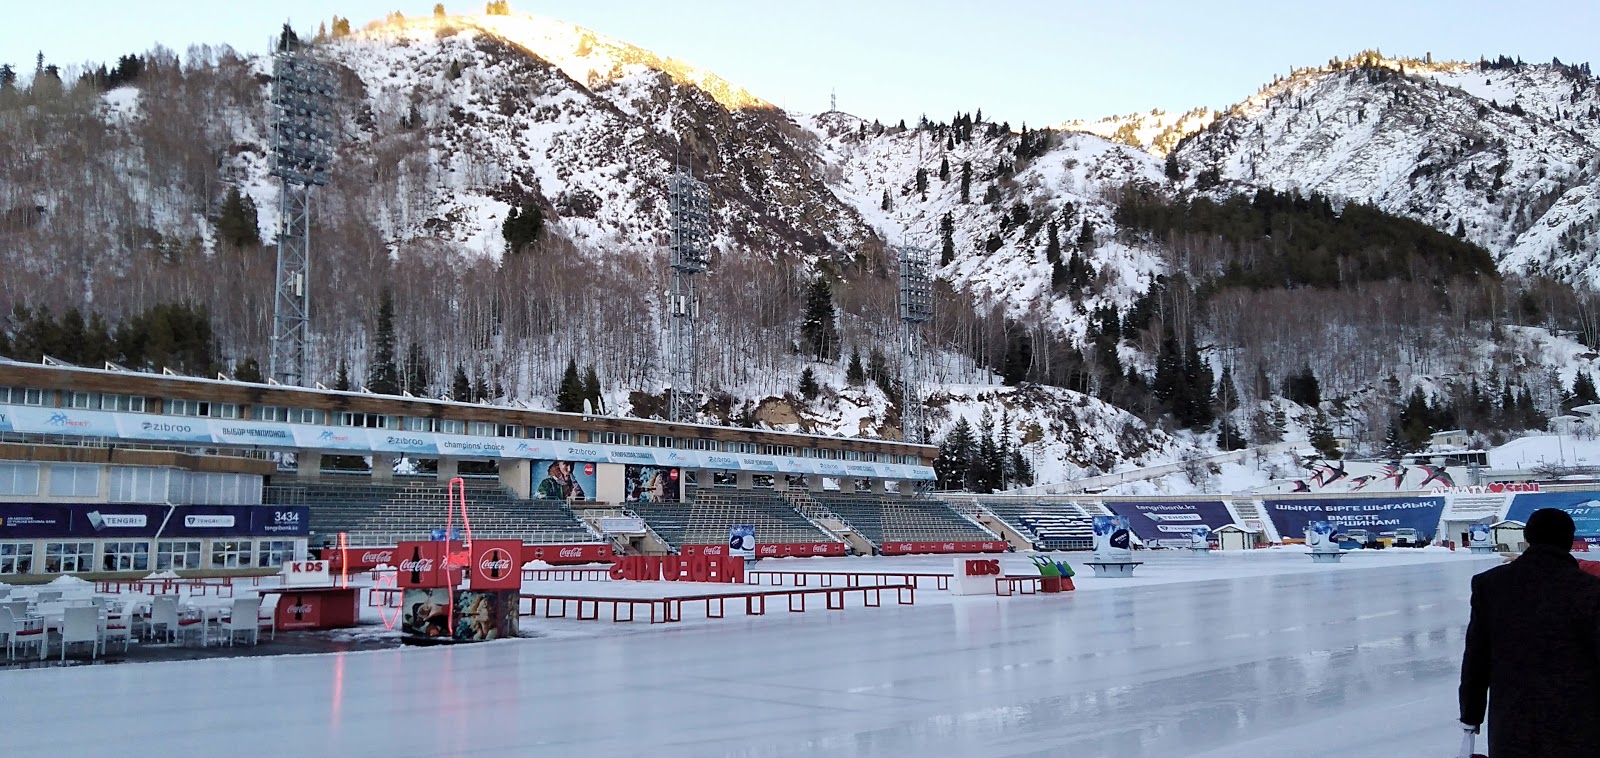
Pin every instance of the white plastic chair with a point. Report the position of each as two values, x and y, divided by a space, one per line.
118 623
164 614
47 596
5 592
79 625
242 617
20 633
18 608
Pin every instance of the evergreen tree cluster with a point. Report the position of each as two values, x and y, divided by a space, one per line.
1183 383
176 337
575 389
982 459
1285 240
127 71
497 8
819 332
237 224
383 376
522 227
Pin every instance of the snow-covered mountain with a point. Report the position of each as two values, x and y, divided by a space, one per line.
447 123
1508 156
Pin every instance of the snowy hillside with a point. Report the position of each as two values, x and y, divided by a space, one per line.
1505 156
1157 131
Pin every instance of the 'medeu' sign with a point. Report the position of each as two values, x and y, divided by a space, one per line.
1376 515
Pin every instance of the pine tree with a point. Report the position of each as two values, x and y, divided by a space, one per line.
418 374
569 395
966 182
855 375
1322 437
878 372
808 384
922 183
885 204
989 465
341 381
248 370
956 453
1052 248
1086 237
1018 358
383 376
947 240
237 223
460 386
1583 389
522 227
1416 429
819 334
1303 388
341 27
480 388
944 168
591 388
1004 450
438 10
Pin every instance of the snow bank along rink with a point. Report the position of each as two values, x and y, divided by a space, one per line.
1258 653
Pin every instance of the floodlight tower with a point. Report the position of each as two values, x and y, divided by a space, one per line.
916 309
691 237
302 148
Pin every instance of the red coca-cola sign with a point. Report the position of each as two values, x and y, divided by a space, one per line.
906 548
426 565
496 565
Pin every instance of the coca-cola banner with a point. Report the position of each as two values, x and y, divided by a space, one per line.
774 549
496 565
426 564
907 548
650 484
597 552
563 480
359 558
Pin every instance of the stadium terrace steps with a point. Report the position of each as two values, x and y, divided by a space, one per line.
411 510
892 518
705 519
1049 526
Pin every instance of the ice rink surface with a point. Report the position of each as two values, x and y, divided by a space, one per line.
1274 658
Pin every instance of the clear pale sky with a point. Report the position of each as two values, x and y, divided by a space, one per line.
1033 61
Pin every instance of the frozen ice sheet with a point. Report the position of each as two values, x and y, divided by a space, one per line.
1277 660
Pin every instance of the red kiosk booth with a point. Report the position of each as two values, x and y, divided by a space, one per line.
459 591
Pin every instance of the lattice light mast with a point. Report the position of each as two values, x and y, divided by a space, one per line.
916 309
691 238
302 149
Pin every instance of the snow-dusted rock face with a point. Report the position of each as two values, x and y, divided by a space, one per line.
1505 156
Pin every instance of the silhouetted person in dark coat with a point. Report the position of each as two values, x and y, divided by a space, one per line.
1533 649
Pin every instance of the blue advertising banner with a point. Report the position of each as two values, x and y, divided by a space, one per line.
474 447
164 428
1380 516
208 521
563 480
634 457
1583 506
406 443
63 421
1172 522
332 438
262 433
97 521
280 521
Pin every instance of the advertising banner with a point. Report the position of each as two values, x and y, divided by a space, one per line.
678 458
483 615
621 525
911 548
1381 516
1319 537
1169 524
358 558
720 461
561 555
1478 536
62 421
163 428
1112 543
864 470
258 433
99 521
563 480
544 449
425 564
405 443
467 446
832 468
632 456
1200 538
1584 507
425 613
650 484
305 574
759 463
921 473
496 565
572 451
280 521
209 521
340 439
742 541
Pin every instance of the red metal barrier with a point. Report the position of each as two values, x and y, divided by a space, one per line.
850 579
666 610
364 558
773 549
908 548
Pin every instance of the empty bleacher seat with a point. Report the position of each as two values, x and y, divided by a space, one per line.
705 519
403 510
892 518
1049 526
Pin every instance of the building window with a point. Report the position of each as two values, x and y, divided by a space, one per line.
305 416
508 430
139 484
550 433
275 552
126 556
230 554
19 478
269 413
416 424
68 557
16 557
83 399
129 403
180 554
68 480
34 396
481 428
452 426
